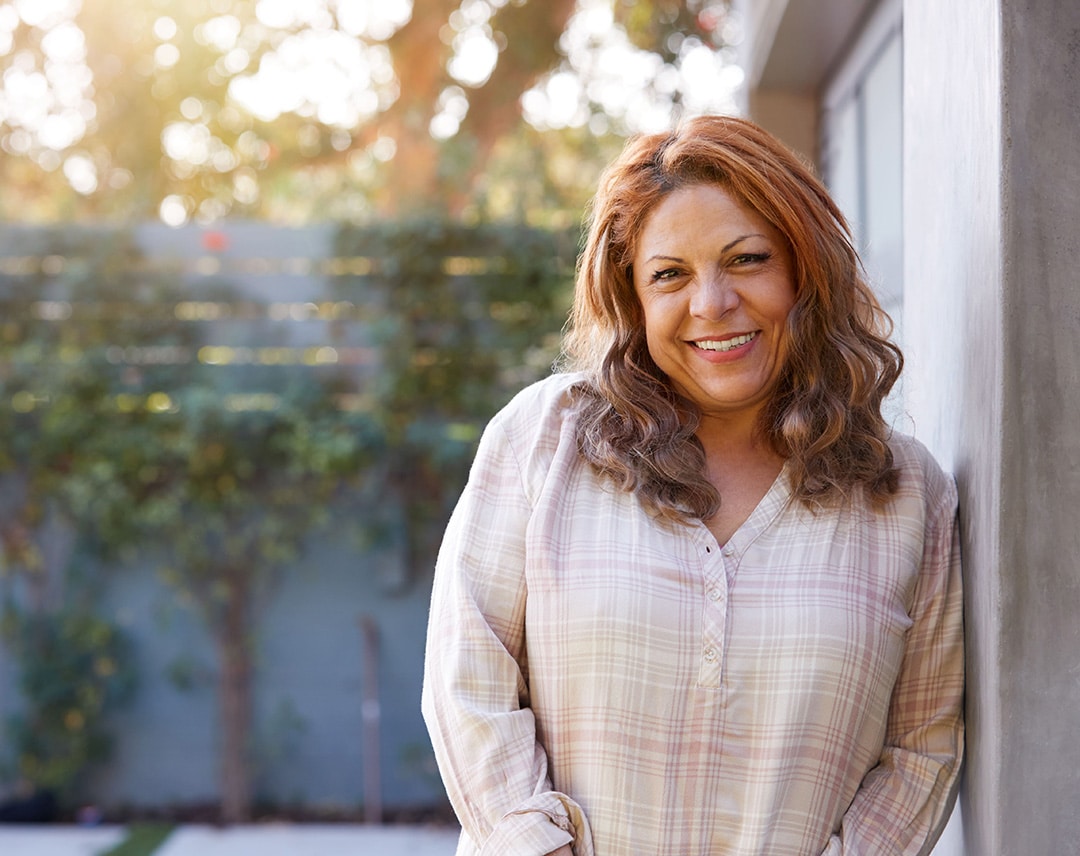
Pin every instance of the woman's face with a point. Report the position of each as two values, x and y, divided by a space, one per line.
715 283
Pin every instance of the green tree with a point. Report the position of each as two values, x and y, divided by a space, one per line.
238 496
151 454
69 472
466 316
67 317
146 458
213 107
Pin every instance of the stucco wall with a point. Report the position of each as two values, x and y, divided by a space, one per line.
1040 654
992 320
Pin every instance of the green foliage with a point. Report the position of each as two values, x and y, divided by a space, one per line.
146 456
160 83
130 454
663 25
74 669
67 455
239 492
350 136
467 316
74 421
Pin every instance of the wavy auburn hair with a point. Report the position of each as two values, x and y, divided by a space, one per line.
823 417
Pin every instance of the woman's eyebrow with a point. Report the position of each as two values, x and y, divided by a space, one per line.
741 239
726 247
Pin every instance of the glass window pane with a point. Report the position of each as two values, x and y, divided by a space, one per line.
882 229
842 172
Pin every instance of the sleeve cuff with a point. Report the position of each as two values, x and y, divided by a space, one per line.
541 824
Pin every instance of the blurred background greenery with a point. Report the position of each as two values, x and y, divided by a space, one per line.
294 110
208 408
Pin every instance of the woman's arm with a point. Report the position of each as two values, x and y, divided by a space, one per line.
904 802
476 694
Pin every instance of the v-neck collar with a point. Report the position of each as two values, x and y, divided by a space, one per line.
761 518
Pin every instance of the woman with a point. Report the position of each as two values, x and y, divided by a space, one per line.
697 599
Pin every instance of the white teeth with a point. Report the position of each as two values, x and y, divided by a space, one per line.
724 344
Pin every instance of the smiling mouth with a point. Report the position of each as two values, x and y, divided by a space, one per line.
724 344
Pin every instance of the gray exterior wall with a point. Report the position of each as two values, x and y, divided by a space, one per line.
310 685
311 680
992 197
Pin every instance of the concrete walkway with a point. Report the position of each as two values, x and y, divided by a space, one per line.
16 840
263 840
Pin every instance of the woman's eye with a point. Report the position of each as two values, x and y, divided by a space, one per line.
665 275
751 258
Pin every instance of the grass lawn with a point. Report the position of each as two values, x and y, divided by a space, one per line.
142 840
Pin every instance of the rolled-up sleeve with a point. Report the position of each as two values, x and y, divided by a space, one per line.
476 700
904 801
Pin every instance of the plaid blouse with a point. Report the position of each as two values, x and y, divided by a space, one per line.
598 677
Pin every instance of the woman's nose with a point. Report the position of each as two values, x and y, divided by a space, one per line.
713 297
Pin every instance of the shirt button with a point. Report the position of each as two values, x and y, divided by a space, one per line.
710 655
729 551
714 594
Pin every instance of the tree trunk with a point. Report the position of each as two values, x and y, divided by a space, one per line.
234 689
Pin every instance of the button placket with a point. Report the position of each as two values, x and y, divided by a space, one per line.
714 617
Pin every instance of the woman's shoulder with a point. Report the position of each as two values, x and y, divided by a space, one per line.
536 430
920 471
540 405
538 418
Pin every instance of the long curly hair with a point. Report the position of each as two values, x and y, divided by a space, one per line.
824 415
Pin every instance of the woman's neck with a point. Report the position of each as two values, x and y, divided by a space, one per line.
735 435
741 464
